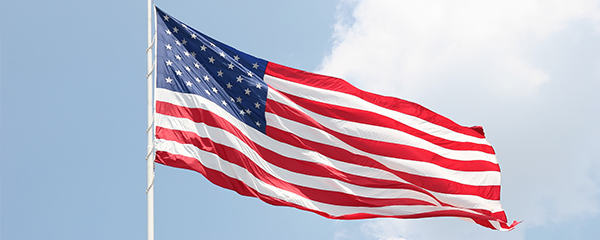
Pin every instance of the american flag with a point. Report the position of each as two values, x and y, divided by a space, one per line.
313 142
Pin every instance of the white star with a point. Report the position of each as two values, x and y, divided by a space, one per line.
193 36
212 44
247 91
188 83
257 123
222 54
168 32
249 73
231 99
255 65
239 79
188 68
229 85
230 66
187 54
169 79
193 54
178 72
211 60
206 77
242 112
168 46
239 99
220 73
183 25
178 57
177 42
197 65
248 111
183 42
214 90
203 48
197 79
175 30
166 18
224 103
257 105
236 57
258 85
169 63
207 92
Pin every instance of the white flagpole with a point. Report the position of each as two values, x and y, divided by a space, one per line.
150 129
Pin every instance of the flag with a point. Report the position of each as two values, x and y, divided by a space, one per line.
313 142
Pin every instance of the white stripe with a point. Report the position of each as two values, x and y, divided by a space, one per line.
484 178
213 161
350 101
496 224
382 134
481 178
284 149
225 138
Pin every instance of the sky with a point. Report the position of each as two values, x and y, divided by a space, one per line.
73 111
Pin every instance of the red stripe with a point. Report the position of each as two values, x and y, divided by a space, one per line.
340 85
236 157
382 148
371 118
298 166
302 167
441 213
433 184
222 180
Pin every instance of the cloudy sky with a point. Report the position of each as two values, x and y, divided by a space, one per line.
72 110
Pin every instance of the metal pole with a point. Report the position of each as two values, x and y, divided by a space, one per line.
150 130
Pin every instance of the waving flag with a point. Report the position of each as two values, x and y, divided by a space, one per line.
313 142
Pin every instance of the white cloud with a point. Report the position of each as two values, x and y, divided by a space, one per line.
407 46
441 228
527 70
384 230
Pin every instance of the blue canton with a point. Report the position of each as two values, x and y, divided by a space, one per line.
191 62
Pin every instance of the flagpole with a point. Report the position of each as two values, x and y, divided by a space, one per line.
150 132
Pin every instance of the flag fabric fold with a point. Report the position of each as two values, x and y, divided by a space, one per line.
313 142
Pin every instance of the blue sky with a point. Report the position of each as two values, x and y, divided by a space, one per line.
73 110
